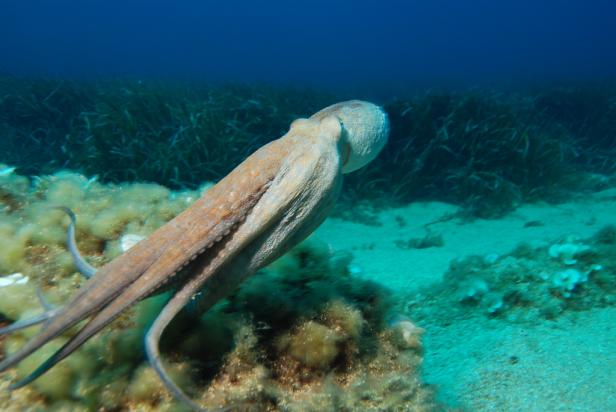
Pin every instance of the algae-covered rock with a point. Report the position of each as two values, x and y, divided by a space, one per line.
58 382
527 285
312 344
17 299
321 342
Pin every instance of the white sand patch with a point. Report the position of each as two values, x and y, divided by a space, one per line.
13 279
563 365
406 269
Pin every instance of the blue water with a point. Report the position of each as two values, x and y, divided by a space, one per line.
387 46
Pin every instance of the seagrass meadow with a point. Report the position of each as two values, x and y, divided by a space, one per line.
486 150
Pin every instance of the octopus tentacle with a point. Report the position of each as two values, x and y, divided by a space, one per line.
249 236
152 279
81 264
50 312
26 323
152 339
269 203
174 258
177 243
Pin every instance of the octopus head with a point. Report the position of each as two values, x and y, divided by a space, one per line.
365 129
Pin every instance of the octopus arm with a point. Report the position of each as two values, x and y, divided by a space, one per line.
154 261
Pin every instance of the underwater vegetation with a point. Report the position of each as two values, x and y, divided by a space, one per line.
489 152
263 208
484 150
177 135
529 284
301 335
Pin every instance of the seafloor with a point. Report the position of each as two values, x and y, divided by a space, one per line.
416 309
495 301
519 312
302 335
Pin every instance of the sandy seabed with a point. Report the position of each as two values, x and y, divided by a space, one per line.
564 364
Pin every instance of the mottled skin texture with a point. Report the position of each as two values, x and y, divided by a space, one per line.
264 207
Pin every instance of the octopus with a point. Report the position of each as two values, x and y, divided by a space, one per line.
264 207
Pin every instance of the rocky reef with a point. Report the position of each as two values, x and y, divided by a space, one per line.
301 335
529 284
